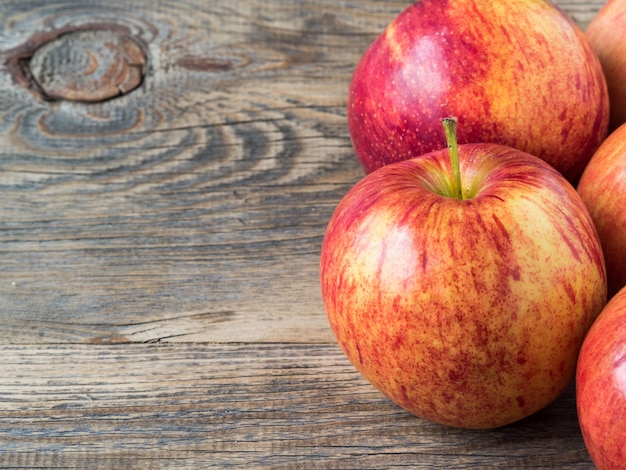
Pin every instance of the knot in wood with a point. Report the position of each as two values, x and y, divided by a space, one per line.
89 66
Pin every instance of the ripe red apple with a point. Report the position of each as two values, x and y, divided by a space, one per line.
514 72
607 36
602 188
601 386
467 312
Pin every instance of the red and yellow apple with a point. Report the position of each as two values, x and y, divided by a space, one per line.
607 36
602 188
515 72
469 311
601 387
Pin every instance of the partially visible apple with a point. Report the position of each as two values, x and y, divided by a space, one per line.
515 72
601 387
464 300
602 188
607 35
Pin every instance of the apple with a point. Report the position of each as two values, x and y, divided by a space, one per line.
607 36
517 73
464 299
602 188
601 386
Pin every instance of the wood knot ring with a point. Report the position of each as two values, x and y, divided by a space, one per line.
88 65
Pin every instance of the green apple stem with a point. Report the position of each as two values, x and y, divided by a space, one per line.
449 127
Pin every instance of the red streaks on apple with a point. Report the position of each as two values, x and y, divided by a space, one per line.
514 72
455 307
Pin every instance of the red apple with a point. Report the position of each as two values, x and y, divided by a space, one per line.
603 190
514 72
467 312
607 36
601 387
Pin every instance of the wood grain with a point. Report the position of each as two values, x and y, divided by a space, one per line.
205 192
159 294
277 406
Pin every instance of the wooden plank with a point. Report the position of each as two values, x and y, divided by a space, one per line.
193 210
215 406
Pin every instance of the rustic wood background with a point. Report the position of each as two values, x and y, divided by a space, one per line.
160 228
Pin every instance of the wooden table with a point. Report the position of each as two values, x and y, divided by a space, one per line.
160 227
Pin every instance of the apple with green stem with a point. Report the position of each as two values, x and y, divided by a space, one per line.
515 72
602 188
461 283
601 387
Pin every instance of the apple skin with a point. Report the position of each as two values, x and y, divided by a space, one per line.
468 313
601 386
602 188
515 72
607 36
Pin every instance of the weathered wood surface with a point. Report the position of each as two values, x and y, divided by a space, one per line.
189 212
